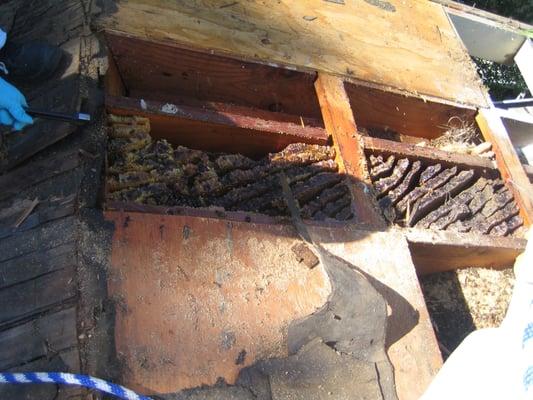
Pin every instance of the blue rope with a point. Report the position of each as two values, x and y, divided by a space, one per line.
71 379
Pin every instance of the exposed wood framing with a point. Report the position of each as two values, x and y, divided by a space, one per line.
427 154
419 51
339 121
114 85
406 115
221 127
176 72
508 163
438 251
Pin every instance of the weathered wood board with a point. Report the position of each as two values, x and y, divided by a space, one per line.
201 298
410 46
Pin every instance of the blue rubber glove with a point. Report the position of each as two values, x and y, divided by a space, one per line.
12 104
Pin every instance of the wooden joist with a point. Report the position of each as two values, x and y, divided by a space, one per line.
438 251
339 121
508 162
407 115
427 154
221 127
176 72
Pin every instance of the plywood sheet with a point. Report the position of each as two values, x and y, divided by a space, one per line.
409 46
198 299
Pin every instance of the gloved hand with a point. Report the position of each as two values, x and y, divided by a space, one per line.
11 107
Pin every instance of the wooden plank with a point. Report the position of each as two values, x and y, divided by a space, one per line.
44 211
439 251
60 94
221 127
427 154
176 72
405 115
45 237
63 361
508 162
64 20
339 121
182 275
33 265
34 139
418 49
32 173
114 85
32 297
41 337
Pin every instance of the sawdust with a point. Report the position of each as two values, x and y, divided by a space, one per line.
460 302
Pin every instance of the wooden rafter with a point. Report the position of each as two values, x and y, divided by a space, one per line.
340 123
508 163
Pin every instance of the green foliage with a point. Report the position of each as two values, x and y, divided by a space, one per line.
504 81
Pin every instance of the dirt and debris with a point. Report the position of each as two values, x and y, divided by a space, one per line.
430 196
154 172
462 301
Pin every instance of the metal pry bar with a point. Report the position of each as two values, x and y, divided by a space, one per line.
58 116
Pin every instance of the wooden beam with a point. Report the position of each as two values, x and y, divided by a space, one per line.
114 85
415 47
305 129
439 251
176 71
340 123
509 165
406 115
428 154
231 121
